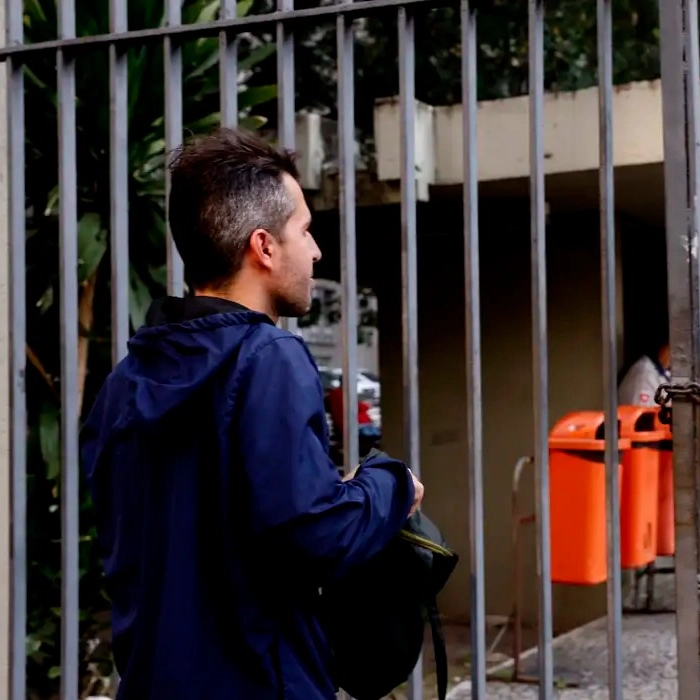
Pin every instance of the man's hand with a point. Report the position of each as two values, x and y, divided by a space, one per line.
350 475
419 491
418 488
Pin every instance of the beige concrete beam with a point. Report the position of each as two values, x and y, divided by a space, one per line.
571 134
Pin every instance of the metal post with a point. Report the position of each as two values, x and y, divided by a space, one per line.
68 242
540 361
473 350
18 323
608 248
119 182
286 101
409 265
348 235
5 411
172 60
228 68
679 69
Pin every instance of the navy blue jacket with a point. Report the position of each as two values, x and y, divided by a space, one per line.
220 514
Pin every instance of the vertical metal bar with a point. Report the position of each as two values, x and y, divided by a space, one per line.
679 70
286 101
473 350
285 78
540 361
18 322
608 267
692 75
6 636
172 60
119 182
409 264
228 68
348 241
68 273
5 380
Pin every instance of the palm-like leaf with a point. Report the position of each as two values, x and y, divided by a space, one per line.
146 191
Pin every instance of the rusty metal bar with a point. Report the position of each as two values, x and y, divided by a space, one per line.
517 520
680 75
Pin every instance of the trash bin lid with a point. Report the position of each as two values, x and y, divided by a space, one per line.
639 424
582 430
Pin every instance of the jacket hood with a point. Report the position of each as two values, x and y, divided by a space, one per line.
184 342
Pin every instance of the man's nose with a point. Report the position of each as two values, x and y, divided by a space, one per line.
317 250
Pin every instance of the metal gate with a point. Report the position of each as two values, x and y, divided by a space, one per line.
681 95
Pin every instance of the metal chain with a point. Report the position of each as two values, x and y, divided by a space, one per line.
666 392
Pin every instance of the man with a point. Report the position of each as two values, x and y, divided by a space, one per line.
643 378
219 511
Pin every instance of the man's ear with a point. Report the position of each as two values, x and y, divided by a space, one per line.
262 247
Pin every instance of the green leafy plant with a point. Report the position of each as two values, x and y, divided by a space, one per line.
147 275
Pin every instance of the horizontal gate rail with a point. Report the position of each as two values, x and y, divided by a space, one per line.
234 25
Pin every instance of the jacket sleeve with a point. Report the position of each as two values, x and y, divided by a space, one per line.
297 497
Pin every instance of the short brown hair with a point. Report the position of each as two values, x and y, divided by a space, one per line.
223 187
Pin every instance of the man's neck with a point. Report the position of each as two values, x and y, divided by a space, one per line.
251 299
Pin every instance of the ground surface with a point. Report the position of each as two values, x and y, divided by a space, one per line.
580 660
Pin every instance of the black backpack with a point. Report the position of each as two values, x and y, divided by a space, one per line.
375 616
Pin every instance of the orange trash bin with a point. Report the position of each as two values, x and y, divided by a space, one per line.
640 486
577 498
666 526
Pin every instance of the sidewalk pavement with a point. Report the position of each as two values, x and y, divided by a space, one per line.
581 658
649 663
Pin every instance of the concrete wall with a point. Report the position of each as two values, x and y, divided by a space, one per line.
575 378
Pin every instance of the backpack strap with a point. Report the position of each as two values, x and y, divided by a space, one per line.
439 648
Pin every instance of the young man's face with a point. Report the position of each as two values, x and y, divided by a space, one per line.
293 274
